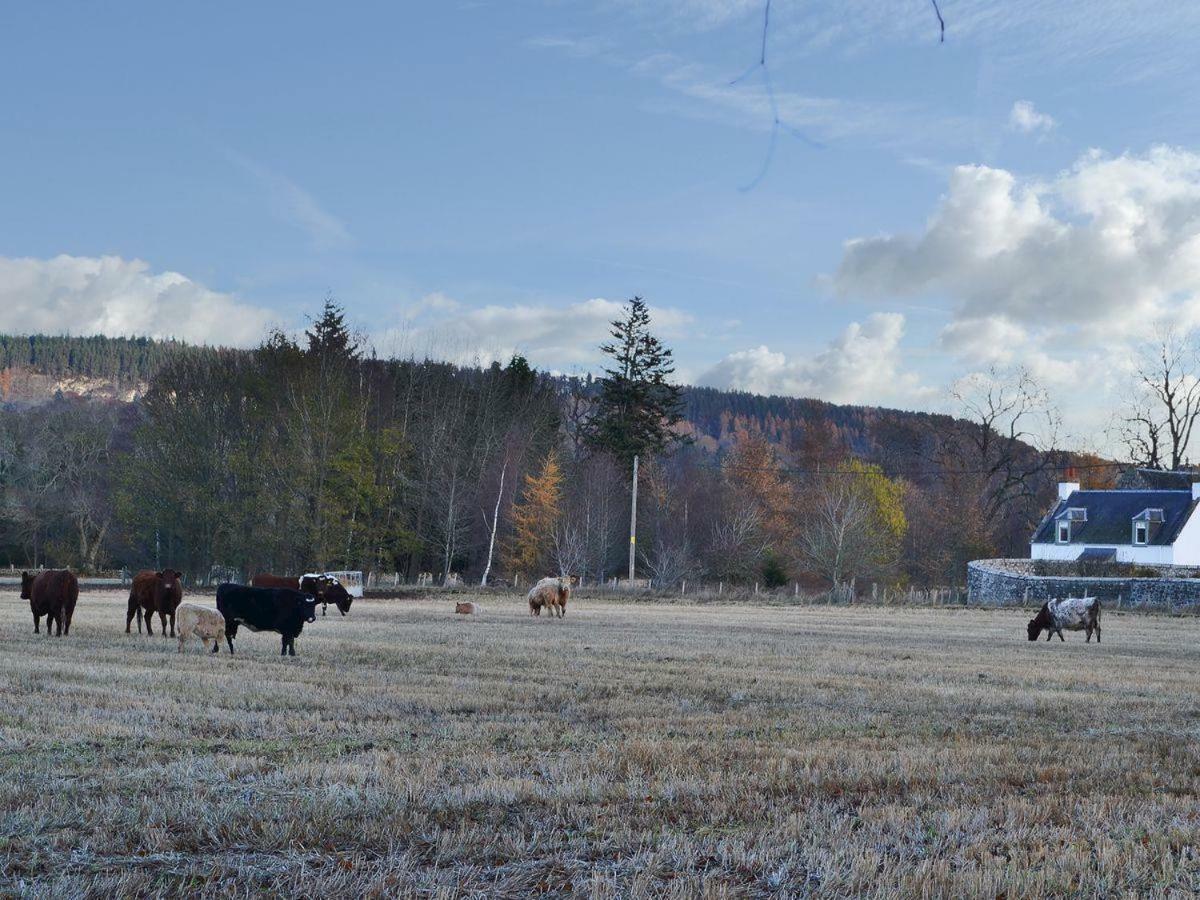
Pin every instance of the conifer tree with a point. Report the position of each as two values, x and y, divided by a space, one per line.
638 408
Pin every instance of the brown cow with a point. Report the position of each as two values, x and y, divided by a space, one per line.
326 589
154 592
52 594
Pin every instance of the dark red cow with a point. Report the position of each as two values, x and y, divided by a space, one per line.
52 594
154 592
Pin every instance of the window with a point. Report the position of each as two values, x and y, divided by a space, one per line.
1064 532
1141 531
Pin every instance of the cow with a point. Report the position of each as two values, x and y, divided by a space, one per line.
467 609
52 594
202 622
324 587
154 592
281 610
551 593
1073 614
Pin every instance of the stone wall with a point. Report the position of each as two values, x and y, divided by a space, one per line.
1011 582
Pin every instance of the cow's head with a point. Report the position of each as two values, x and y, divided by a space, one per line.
1040 621
338 596
168 579
26 586
307 607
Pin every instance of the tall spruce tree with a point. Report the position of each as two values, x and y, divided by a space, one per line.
638 408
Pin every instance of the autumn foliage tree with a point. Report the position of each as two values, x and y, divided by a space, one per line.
535 517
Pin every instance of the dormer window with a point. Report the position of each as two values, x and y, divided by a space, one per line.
1141 533
1064 531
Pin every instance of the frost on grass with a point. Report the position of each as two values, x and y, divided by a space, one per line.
627 750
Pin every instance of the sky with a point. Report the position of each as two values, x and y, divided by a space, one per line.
869 217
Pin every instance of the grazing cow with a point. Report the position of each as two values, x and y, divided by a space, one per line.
52 594
326 589
201 622
281 610
154 592
1073 614
551 593
467 609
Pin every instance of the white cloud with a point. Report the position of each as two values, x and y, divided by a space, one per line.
1110 246
114 296
1065 276
1025 118
560 338
862 365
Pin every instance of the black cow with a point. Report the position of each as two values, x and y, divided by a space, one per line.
266 609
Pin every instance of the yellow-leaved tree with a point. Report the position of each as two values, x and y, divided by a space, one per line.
535 516
854 523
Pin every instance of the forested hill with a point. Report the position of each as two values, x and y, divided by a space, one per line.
38 367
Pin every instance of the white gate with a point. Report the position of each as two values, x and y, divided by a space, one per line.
351 581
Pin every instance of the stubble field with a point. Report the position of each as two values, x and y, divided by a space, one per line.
629 750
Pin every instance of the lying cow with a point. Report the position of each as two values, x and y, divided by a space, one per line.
1073 614
201 622
325 588
154 592
281 610
52 594
551 593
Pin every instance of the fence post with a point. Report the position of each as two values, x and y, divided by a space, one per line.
756 588
683 586
720 588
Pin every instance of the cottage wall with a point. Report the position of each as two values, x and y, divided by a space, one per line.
1012 582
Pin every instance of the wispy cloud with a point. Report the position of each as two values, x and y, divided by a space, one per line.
294 204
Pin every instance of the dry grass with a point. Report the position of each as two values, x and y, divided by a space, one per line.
624 751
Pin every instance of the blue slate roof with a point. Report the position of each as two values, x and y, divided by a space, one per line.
1110 516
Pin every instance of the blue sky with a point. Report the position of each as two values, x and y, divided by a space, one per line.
475 178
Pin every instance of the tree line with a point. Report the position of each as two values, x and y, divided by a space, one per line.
313 453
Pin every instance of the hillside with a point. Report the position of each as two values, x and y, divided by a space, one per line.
34 369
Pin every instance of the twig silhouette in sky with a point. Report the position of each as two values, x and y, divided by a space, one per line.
776 122
769 89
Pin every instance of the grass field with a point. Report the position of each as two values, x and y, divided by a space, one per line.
627 750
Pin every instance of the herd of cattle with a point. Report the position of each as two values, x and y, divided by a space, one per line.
284 604
270 603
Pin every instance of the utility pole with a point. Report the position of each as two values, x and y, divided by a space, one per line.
633 523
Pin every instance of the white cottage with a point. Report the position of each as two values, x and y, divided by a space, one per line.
1152 527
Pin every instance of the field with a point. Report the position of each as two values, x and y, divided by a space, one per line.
627 750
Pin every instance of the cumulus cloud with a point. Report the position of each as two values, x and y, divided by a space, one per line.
554 337
1025 118
1111 245
862 365
114 296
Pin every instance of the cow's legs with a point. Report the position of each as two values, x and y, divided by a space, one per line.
172 623
162 619
149 617
283 645
217 645
129 616
36 619
324 608
1097 631
1060 636
58 624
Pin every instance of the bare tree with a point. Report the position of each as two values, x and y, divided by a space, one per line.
1155 426
1010 430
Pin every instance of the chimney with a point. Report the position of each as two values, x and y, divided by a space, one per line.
1067 488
